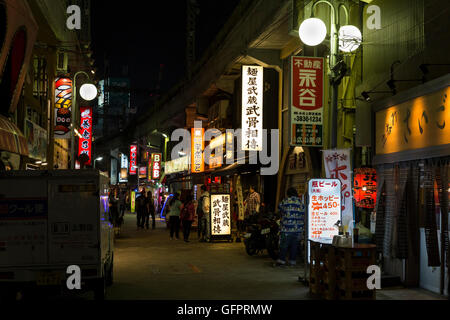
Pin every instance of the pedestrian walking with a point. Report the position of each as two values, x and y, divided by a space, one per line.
122 204
292 211
150 210
174 216
113 208
253 202
141 209
187 216
203 213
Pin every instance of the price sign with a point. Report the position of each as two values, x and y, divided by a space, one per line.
324 209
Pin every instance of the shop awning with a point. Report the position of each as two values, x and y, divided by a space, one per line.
11 139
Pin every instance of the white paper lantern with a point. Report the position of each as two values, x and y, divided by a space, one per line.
312 31
349 38
88 91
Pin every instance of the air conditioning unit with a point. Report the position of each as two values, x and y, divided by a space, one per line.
62 62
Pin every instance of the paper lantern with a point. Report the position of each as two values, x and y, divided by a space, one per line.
365 187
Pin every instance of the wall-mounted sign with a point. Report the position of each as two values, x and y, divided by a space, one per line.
337 166
63 107
156 166
85 142
133 159
418 123
220 215
306 101
252 107
37 140
365 187
324 209
142 172
133 201
123 175
197 146
177 165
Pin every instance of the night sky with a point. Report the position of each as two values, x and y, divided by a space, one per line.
146 34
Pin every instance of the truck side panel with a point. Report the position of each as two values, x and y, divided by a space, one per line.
73 221
23 222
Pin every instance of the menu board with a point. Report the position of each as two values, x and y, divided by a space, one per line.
324 209
220 215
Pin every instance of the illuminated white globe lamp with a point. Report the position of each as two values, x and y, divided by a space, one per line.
88 91
312 31
349 38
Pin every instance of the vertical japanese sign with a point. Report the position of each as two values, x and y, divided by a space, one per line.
156 166
123 177
197 146
220 215
63 107
252 107
307 78
133 201
324 208
85 142
337 166
133 157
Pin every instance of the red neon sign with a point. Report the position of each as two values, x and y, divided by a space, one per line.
133 157
85 142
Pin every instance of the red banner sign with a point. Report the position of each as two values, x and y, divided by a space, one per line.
133 157
307 101
156 165
85 142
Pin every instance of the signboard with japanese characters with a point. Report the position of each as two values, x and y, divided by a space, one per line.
197 146
252 107
365 187
414 124
156 166
324 209
133 159
307 95
337 166
220 215
123 176
63 107
85 142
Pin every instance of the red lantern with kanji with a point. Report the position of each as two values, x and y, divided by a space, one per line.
365 187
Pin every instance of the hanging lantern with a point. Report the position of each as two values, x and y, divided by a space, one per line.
365 187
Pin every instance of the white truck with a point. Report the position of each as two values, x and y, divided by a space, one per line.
50 220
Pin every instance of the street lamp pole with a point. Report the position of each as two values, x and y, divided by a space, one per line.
72 120
334 53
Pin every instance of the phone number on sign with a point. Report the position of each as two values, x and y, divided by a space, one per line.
308 119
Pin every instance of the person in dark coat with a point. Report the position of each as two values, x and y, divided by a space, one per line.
141 209
187 216
150 211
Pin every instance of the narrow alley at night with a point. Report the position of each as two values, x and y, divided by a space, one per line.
238 158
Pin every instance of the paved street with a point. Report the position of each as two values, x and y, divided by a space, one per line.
148 265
